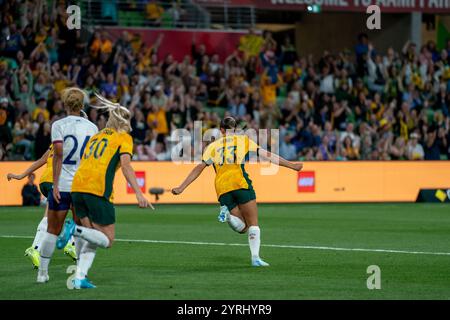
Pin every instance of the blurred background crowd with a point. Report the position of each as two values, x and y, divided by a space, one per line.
357 104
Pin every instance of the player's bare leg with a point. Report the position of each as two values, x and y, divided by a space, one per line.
249 211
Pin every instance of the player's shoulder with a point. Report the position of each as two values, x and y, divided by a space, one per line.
59 122
238 139
215 143
89 124
113 134
124 136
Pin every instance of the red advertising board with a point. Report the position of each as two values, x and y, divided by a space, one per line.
140 178
179 42
429 6
306 181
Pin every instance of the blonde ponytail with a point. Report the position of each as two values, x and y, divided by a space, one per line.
119 116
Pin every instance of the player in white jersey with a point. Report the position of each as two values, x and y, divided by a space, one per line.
69 137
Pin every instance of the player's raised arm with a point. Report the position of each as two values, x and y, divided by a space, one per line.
276 159
193 175
34 166
128 172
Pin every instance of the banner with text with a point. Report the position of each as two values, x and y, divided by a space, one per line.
317 182
428 6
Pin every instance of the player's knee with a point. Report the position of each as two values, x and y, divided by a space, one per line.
55 230
111 241
85 222
236 224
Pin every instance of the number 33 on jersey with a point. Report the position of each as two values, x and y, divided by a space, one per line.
100 161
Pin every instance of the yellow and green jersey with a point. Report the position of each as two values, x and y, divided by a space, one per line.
47 175
228 155
100 161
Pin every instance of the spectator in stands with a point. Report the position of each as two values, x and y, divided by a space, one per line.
154 12
324 153
43 137
41 109
139 126
237 106
5 130
23 86
14 41
432 144
175 13
414 149
397 151
287 149
376 71
361 51
349 151
156 118
109 87
30 193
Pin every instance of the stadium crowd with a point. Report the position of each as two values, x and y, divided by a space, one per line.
359 104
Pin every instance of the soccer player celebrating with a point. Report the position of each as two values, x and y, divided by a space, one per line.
45 186
92 187
233 187
69 138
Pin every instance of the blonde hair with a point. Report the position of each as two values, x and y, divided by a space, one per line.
73 98
119 116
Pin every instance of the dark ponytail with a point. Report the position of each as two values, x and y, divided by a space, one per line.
228 123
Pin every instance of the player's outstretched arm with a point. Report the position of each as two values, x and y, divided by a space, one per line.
128 172
34 166
276 159
195 173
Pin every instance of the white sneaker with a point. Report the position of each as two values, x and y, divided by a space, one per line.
258 262
224 214
42 277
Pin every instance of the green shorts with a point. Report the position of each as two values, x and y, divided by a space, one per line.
233 198
97 209
45 188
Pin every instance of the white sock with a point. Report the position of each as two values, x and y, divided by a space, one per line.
72 240
254 240
79 243
236 223
93 236
42 227
85 260
47 248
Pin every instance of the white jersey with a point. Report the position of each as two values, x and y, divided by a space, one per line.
74 133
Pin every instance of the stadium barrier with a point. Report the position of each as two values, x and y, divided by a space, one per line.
398 181
178 43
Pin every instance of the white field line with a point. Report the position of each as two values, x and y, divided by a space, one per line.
197 243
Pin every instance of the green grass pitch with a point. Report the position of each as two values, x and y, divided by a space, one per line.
200 258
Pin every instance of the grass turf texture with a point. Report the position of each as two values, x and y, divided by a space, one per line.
134 270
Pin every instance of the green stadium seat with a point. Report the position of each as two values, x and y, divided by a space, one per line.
166 21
